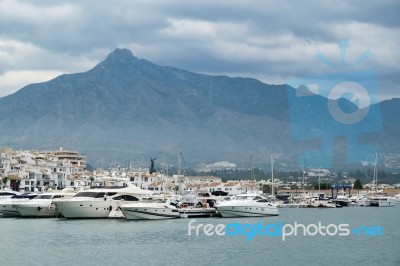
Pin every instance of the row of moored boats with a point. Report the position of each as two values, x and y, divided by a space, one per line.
132 203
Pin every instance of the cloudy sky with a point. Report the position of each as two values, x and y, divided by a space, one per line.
273 41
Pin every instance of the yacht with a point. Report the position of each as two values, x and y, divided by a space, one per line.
153 210
99 202
375 198
197 204
247 205
342 201
397 199
5 194
7 208
380 201
42 205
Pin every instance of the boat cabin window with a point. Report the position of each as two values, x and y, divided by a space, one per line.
257 198
243 197
262 200
44 197
7 194
58 196
126 198
90 194
24 196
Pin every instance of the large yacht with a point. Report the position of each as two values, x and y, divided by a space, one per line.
7 208
42 205
99 202
247 205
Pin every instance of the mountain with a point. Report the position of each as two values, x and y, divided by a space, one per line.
126 108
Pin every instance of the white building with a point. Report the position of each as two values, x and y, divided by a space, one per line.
31 170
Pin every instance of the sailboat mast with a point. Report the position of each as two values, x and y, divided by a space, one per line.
375 181
304 167
179 159
272 174
319 181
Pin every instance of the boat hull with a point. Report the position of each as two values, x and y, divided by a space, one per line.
8 210
149 213
85 208
380 203
197 212
37 210
229 211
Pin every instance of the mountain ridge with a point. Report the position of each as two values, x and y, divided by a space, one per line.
130 104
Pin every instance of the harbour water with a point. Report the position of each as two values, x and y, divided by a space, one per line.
59 241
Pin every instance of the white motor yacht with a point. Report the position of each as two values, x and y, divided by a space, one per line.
397 199
7 208
99 202
150 210
380 201
197 204
342 200
42 205
5 194
247 205
375 198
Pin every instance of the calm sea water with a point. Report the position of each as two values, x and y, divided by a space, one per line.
122 242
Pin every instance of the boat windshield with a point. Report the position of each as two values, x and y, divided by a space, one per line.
43 197
244 197
125 198
24 196
87 194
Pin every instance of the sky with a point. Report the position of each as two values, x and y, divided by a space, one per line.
273 41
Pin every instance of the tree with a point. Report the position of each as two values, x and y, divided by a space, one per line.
266 189
4 180
358 185
324 186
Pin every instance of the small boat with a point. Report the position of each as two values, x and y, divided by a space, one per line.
197 204
343 201
380 201
247 205
397 199
375 198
